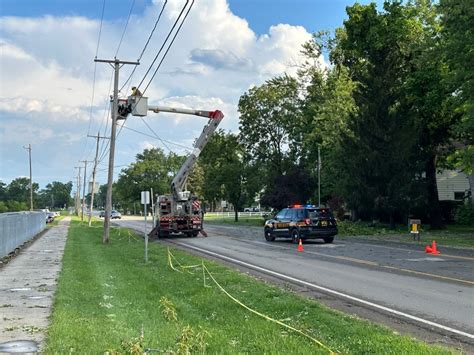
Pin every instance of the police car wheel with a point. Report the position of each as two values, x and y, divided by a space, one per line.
268 235
295 236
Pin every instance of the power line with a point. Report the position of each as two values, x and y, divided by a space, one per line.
146 45
164 43
157 137
169 46
95 70
125 28
155 134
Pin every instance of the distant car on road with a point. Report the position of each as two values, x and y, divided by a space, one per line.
113 214
302 222
251 209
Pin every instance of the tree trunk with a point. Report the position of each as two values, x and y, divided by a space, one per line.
434 208
236 214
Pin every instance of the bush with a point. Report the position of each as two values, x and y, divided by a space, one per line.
465 214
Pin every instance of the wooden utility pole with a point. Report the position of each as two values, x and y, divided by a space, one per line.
31 181
108 202
98 137
83 189
78 188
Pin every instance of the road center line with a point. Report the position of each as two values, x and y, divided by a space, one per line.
334 292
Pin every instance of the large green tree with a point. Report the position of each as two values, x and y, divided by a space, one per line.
226 174
153 169
56 195
457 18
19 190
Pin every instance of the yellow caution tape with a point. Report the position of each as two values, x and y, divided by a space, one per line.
206 270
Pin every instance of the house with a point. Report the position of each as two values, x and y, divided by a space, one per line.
454 185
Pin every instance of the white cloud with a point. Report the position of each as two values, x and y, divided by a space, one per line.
47 68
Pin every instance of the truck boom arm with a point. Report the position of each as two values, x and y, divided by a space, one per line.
215 117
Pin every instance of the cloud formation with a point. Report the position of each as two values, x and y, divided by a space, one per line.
47 72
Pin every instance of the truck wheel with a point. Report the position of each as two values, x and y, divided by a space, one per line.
328 239
295 236
194 234
268 235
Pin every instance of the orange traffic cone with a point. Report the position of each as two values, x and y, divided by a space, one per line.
433 246
428 249
300 245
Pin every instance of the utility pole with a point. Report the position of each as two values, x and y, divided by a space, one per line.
83 189
31 181
78 189
108 201
93 172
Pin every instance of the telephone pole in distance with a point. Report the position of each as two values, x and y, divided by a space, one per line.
28 148
108 202
98 137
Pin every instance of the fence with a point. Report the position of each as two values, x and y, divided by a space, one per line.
19 227
232 214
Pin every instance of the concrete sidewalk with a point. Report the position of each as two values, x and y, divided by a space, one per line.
27 287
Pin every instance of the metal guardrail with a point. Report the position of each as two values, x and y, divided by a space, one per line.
19 227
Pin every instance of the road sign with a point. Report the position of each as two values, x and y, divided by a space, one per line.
145 197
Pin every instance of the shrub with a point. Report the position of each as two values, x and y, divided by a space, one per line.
465 214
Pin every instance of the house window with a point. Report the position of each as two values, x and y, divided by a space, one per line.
458 196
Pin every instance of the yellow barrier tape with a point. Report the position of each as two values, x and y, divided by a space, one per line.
206 270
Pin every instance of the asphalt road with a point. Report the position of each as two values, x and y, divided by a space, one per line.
437 289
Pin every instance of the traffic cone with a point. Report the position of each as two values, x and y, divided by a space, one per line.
300 245
428 249
433 247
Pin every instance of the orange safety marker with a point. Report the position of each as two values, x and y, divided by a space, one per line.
300 245
432 249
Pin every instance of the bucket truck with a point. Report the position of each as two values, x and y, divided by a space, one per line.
178 212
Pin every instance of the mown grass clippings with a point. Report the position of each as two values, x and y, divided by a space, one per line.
92 270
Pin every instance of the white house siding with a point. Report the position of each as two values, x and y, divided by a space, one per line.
449 182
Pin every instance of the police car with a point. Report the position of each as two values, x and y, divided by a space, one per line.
302 222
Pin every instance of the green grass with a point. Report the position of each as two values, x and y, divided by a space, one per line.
451 235
107 297
243 221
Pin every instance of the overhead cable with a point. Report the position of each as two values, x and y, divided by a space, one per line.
146 45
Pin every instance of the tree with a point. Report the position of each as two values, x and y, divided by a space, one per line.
268 115
271 131
56 195
19 190
152 169
457 19
225 171
401 121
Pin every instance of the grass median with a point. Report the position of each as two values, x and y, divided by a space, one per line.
109 299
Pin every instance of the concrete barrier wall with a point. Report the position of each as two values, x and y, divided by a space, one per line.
19 227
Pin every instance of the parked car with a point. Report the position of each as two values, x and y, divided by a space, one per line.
251 209
302 222
49 217
114 214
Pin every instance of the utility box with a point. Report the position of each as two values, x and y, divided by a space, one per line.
138 105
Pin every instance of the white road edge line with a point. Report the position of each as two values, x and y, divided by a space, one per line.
340 294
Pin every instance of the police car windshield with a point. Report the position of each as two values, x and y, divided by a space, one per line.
319 212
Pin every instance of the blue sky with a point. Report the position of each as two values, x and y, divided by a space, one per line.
47 72
314 15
